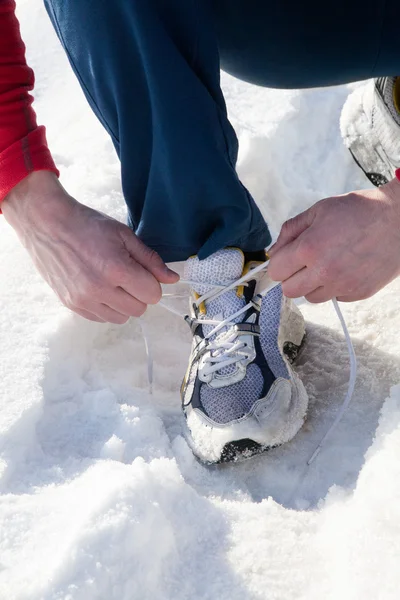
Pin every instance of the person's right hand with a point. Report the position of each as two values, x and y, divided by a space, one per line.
95 264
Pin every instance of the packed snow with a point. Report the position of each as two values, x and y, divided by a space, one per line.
100 496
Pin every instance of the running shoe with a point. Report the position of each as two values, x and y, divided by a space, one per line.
240 395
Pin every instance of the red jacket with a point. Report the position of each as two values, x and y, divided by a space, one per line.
23 146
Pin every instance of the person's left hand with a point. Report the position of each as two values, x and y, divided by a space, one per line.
346 247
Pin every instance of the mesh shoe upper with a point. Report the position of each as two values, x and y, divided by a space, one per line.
270 320
225 399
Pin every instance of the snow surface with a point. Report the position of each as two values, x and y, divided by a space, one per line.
100 496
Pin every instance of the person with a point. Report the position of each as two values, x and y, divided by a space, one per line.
150 70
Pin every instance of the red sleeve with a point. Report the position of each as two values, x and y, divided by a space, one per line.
23 146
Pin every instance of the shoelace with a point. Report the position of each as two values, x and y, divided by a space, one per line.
227 349
231 345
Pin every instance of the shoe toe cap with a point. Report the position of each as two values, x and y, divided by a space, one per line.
272 421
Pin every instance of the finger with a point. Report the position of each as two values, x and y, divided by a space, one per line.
321 294
285 262
291 230
124 303
354 297
301 283
148 258
108 314
348 298
88 315
138 283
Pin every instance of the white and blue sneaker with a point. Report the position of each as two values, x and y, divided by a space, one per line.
370 126
240 394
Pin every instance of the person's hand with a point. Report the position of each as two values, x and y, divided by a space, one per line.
346 247
95 264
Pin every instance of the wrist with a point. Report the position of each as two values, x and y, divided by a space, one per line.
37 198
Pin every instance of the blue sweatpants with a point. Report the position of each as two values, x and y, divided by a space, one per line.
150 70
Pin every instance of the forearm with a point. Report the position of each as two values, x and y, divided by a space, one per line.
23 146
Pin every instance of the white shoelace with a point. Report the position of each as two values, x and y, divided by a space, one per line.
227 351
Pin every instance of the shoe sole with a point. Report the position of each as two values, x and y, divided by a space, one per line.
375 178
361 137
242 450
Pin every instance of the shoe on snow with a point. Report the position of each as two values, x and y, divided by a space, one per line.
370 125
240 394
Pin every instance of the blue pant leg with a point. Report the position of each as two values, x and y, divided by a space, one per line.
292 44
388 61
150 71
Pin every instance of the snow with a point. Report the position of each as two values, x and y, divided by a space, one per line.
100 496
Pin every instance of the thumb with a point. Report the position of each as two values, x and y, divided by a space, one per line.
291 230
148 258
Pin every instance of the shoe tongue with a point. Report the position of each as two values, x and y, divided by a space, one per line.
223 267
